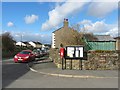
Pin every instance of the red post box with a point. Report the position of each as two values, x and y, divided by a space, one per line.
62 52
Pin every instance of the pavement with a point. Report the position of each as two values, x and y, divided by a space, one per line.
47 67
43 73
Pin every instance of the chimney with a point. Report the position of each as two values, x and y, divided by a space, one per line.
65 22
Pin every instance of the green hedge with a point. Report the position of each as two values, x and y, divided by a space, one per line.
9 54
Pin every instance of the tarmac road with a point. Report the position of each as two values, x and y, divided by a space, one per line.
19 75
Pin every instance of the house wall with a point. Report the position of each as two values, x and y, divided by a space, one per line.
103 45
118 44
20 43
33 44
38 46
53 40
59 36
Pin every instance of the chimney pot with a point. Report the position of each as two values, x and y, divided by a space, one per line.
65 22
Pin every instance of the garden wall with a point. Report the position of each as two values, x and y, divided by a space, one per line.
97 60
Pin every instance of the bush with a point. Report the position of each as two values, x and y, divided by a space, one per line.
7 42
10 54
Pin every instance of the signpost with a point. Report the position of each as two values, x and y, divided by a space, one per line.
75 53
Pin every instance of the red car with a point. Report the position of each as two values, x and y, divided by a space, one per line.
24 56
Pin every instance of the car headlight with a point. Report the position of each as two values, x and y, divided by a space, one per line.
15 56
27 57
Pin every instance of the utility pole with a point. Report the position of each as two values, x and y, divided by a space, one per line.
21 41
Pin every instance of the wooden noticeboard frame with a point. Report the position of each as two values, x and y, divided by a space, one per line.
75 52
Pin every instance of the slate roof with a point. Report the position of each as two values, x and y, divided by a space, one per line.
26 43
90 37
117 37
57 30
104 38
37 42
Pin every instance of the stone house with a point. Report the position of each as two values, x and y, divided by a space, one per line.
58 36
95 42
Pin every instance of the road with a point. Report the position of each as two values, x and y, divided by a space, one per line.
19 75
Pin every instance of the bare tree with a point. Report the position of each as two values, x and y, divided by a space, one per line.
76 27
7 42
72 37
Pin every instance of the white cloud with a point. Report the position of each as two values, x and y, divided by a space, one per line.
99 27
84 22
113 32
10 24
43 38
57 15
30 19
101 9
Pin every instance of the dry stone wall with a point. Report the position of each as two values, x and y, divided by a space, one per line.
95 61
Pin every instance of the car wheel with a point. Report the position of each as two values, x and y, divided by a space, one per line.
34 59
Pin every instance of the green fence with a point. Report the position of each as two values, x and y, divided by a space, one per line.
100 45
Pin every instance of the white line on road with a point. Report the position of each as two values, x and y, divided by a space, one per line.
72 76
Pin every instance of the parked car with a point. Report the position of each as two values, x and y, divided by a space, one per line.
44 52
37 52
24 56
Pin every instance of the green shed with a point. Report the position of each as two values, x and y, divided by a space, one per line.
100 42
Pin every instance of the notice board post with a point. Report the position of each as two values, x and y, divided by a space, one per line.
80 64
75 53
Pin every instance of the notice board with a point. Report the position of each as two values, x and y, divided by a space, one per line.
75 52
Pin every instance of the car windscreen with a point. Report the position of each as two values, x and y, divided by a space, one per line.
36 51
25 52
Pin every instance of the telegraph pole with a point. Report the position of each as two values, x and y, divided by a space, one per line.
21 41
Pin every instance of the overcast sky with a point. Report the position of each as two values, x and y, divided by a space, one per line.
36 21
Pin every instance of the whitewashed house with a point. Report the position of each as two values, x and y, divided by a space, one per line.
20 44
35 44
32 44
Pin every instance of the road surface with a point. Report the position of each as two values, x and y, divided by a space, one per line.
19 75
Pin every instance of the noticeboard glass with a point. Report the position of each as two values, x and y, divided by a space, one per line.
75 52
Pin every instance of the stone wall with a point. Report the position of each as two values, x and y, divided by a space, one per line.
96 61
101 61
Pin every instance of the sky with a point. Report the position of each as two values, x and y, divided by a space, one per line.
35 21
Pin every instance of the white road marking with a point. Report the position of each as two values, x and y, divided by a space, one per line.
33 70
70 76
